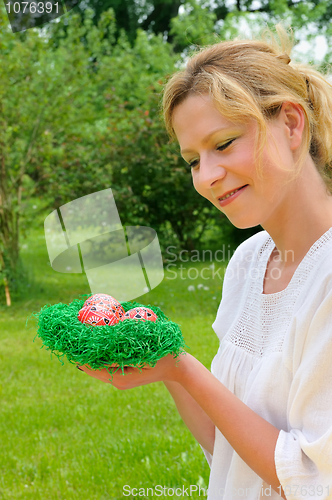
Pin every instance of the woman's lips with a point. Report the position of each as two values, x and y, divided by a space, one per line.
226 201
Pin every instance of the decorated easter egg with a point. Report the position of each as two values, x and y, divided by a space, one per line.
107 302
140 313
97 316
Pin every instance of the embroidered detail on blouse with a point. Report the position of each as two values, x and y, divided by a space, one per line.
261 327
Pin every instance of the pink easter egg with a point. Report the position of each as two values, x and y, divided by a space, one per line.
140 313
96 316
104 301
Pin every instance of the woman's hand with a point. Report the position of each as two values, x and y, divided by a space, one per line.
167 368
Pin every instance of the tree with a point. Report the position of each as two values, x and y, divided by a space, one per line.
130 150
37 93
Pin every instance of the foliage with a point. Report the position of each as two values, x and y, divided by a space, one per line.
152 184
155 16
199 24
36 96
194 26
127 148
79 119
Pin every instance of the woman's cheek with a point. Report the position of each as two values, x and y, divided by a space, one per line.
195 180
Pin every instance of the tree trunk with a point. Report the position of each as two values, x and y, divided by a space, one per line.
5 280
4 226
10 204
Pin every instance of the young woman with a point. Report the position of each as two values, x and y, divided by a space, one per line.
256 130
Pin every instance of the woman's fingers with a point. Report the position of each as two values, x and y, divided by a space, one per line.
129 376
112 375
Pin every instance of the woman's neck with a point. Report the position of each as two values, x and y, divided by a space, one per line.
303 217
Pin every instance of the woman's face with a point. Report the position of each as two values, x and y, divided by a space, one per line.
222 159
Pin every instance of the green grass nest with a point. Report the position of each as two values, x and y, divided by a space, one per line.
128 343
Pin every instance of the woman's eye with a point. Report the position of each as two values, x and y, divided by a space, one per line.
193 163
224 146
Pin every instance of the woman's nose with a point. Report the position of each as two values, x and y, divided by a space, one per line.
210 172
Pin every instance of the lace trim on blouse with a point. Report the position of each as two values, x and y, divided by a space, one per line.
261 327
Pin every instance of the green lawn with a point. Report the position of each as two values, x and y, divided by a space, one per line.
67 436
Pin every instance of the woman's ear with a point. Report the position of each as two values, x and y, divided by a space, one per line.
292 116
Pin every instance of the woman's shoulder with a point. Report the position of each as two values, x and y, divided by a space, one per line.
251 248
244 259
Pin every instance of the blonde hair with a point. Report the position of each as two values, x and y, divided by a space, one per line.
251 79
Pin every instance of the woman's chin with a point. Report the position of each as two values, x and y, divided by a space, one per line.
243 222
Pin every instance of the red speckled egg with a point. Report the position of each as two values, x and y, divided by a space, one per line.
106 302
140 313
97 316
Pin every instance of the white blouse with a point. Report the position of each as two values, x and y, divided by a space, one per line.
275 355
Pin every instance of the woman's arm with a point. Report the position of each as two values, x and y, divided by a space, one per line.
197 421
251 436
